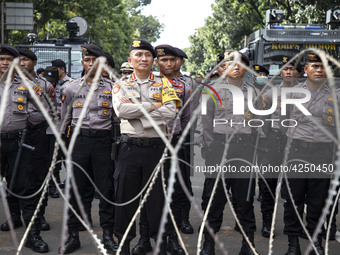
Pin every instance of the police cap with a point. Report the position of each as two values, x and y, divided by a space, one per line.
286 59
181 53
220 57
51 74
312 57
27 53
109 59
91 50
261 69
165 50
142 45
126 66
58 63
229 56
6 49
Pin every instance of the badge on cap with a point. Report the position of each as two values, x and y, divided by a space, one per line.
160 52
257 68
136 44
312 57
284 60
84 50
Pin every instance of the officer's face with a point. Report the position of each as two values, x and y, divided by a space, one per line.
289 74
179 63
166 64
27 63
221 69
141 60
88 62
5 62
315 71
236 71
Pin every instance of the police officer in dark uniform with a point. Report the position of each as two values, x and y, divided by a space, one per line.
141 146
41 159
184 94
240 147
272 147
92 150
20 111
309 144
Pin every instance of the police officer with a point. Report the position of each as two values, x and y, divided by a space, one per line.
261 79
184 85
41 159
110 62
240 146
309 144
92 149
63 80
272 147
126 69
209 179
141 147
20 111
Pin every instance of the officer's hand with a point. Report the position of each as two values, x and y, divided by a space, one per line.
155 105
125 100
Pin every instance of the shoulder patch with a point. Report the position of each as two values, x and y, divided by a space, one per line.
116 89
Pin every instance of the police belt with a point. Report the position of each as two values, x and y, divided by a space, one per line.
142 142
94 132
237 138
10 134
310 145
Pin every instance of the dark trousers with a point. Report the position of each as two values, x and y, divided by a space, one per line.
180 202
306 187
134 167
93 154
270 153
239 188
41 158
25 182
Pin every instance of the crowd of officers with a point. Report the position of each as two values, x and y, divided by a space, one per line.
118 147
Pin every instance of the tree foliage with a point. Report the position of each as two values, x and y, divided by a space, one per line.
233 20
113 24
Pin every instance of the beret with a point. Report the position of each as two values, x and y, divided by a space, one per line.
229 56
220 57
91 50
312 57
27 53
261 69
58 63
51 74
142 45
165 50
181 53
286 59
109 59
8 50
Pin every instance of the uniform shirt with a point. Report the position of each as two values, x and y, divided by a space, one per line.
321 106
183 88
59 90
20 108
225 112
133 121
46 90
99 113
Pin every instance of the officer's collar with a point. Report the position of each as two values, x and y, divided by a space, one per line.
134 77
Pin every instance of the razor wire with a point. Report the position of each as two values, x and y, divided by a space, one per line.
173 169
